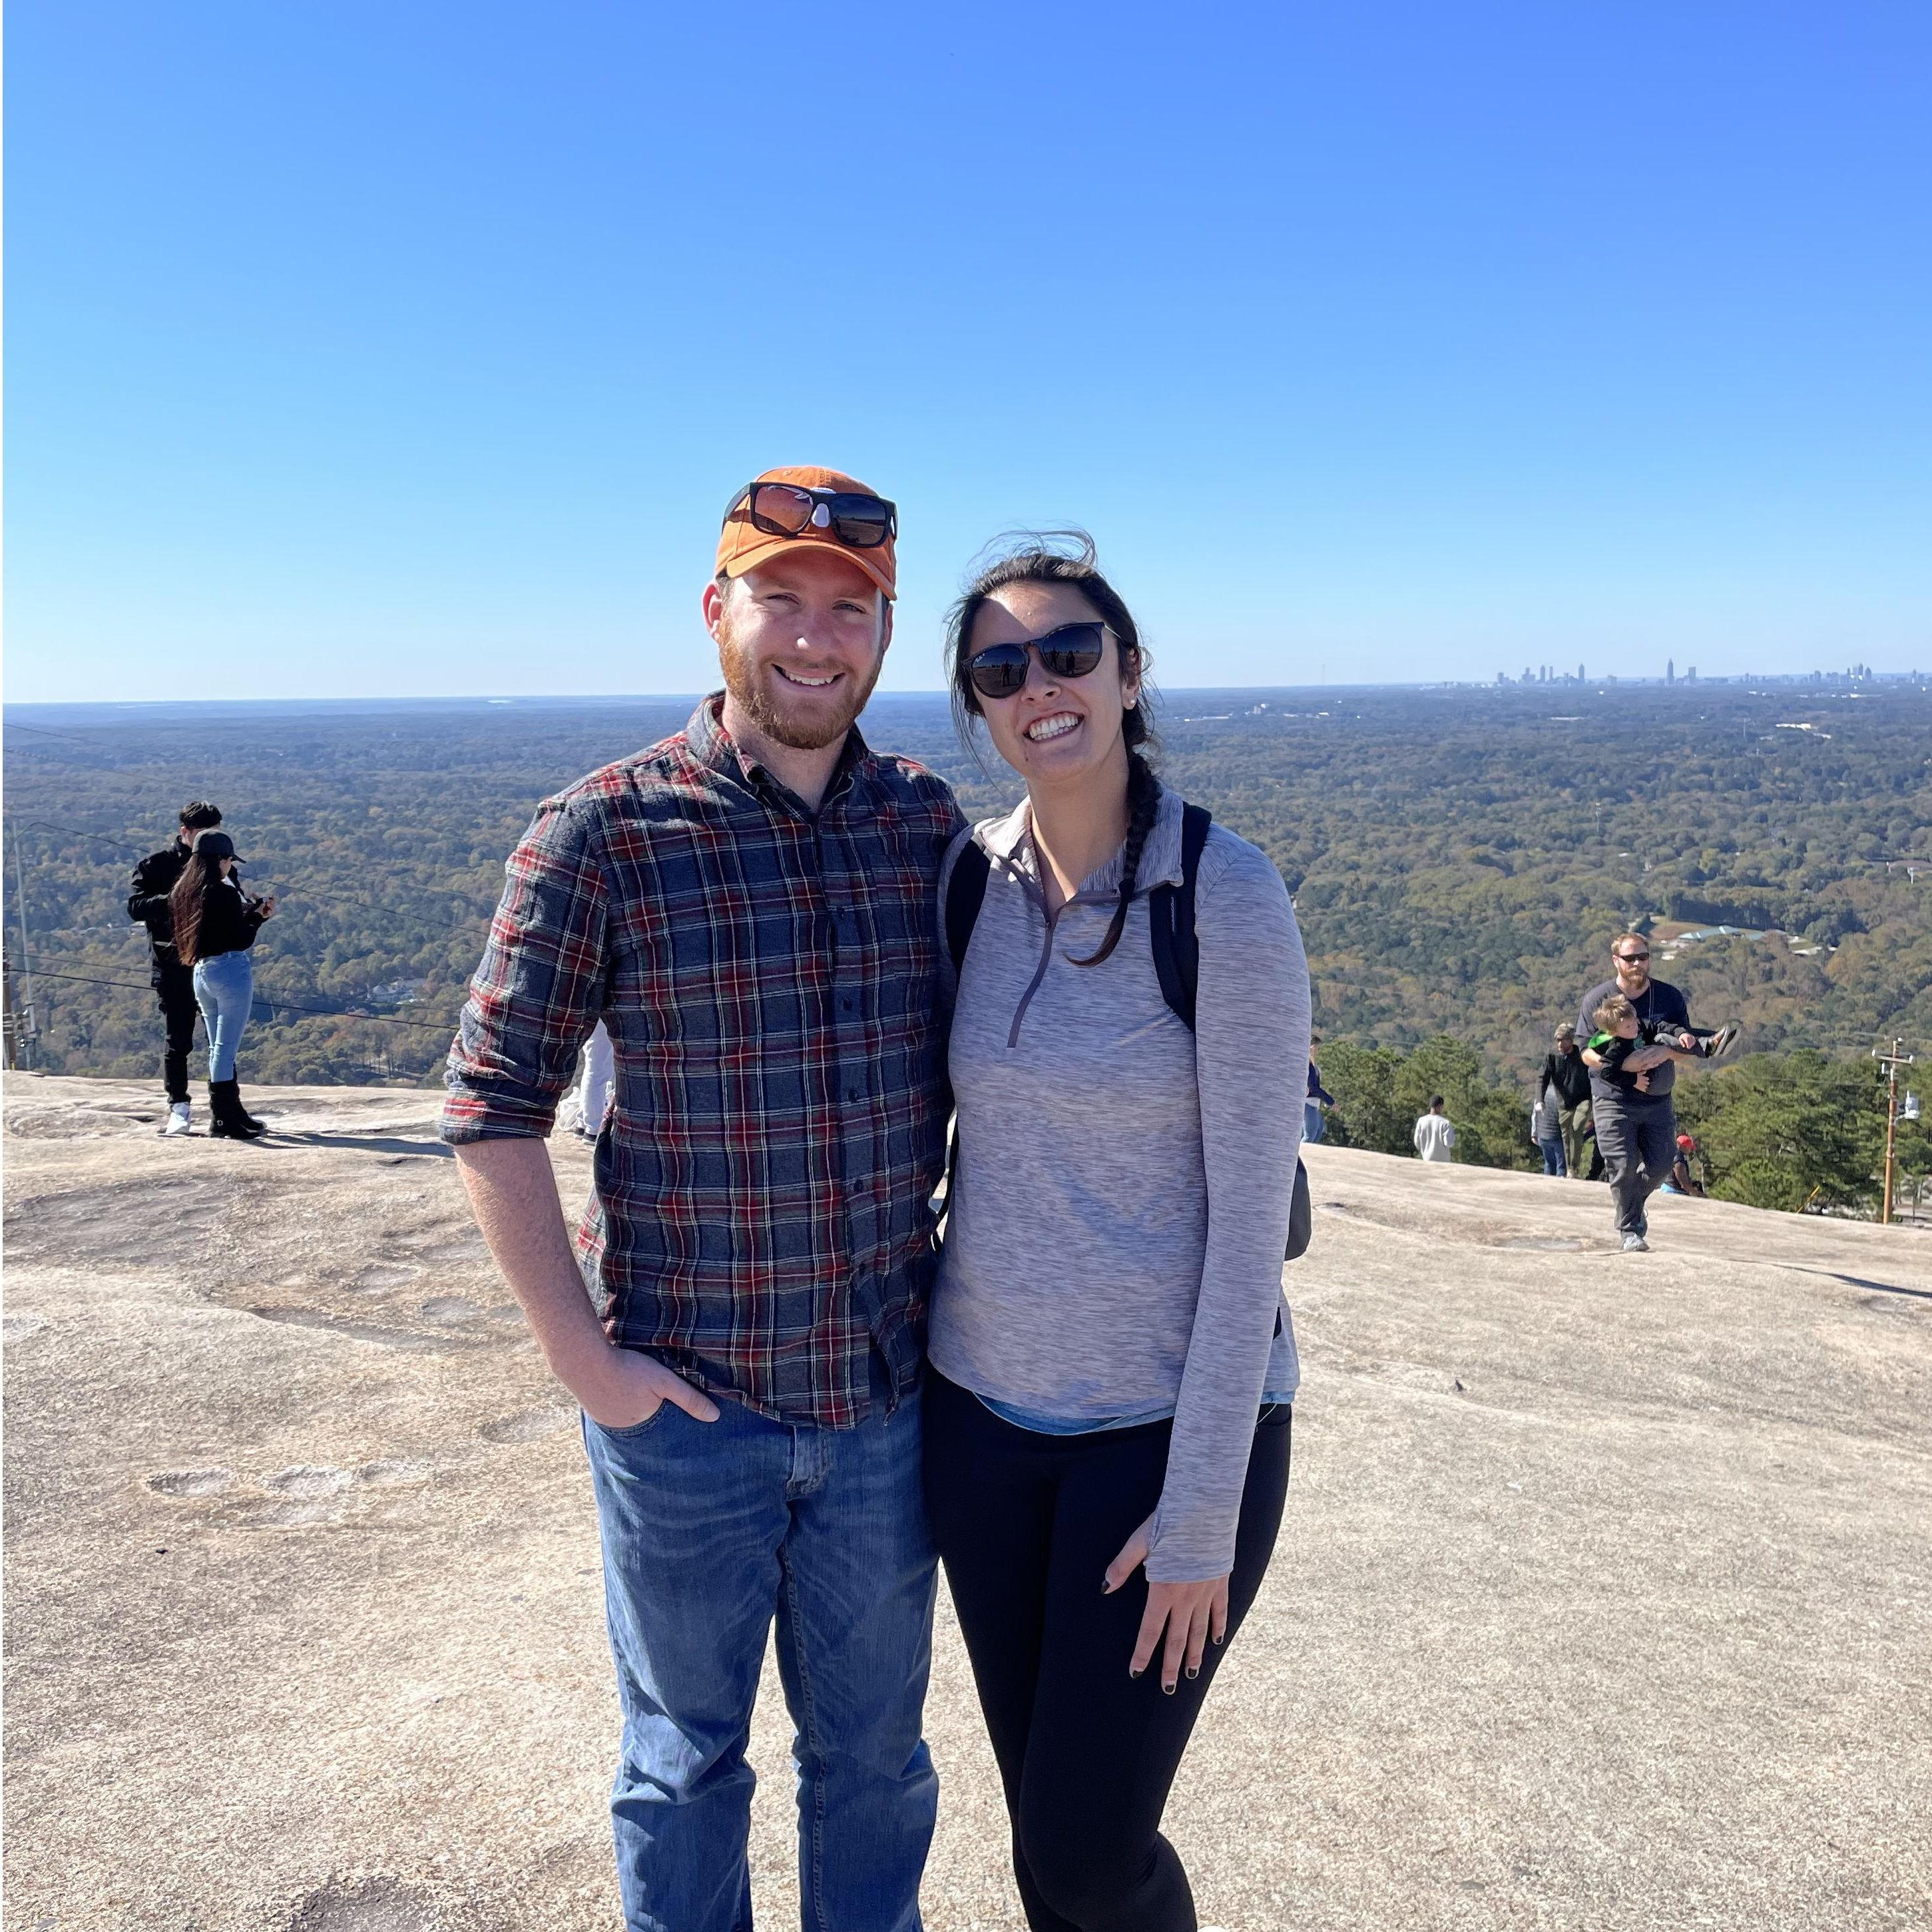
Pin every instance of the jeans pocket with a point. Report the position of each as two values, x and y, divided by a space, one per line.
632 1431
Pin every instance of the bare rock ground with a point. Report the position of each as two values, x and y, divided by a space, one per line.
1604 1597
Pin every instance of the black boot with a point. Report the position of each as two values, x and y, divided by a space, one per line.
231 1122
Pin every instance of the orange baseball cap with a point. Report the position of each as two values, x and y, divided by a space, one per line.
742 545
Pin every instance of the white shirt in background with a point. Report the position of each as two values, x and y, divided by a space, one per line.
1435 1138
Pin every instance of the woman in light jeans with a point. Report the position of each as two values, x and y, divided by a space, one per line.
215 924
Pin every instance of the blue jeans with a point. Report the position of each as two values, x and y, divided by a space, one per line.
1313 1124
709 1529
224 988
1553 1156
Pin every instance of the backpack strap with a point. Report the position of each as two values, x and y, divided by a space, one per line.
1176 951
965 893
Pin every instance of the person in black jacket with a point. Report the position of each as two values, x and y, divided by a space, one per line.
215 923
1566 1070
173 983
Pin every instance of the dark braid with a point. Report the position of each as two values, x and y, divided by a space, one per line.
1143 806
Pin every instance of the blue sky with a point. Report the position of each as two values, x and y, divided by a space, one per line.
382 350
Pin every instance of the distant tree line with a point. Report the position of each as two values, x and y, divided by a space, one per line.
1792 1131
1460 860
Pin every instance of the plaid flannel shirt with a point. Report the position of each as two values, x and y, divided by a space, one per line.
769 976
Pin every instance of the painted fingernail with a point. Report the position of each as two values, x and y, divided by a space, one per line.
1167 1689
1133 1673
1194 1670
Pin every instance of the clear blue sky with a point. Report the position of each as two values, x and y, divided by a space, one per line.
365 349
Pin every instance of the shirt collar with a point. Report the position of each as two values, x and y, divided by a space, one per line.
1009 840
715 749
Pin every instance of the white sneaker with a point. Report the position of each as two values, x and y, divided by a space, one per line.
178 1121
1636 1244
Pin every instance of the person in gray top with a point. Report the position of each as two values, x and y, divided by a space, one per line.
1111 1363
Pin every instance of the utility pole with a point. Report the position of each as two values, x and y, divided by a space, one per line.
1892 1062
11 1026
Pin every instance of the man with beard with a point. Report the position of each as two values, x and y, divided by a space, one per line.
748 908
1636 1132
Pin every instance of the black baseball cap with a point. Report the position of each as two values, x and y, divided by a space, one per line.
217 845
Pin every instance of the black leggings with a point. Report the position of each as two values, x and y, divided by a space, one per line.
1027 1525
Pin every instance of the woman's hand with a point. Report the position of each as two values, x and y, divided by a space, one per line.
266 907
1190 1613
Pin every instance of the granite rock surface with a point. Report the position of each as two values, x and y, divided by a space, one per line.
1603 1598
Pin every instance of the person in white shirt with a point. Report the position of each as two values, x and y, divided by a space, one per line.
594 1081
1435 1138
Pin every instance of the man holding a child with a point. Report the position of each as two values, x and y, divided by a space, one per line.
1638 1028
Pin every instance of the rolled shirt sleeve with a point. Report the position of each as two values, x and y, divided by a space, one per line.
1251 1054
540 987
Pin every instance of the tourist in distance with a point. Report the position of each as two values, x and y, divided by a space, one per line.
1546 1133
1564 1072
1434 1136
1313 1121
748 908
173 982
590 1100
215 924
1684 1178
1636 1130
1108 1405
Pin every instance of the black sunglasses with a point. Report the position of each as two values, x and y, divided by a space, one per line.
791 509
1072 651
1628 958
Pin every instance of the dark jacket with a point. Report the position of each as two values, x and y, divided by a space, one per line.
154 878
230 923
1567 1074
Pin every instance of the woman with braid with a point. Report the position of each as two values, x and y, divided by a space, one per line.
1107 1408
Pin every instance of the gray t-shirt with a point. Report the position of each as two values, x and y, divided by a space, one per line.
1121 1201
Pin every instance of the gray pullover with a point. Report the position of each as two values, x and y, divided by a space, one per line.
1122 1196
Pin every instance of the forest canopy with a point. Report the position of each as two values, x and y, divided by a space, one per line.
1460 858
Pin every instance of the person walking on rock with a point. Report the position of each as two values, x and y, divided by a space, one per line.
1636 1131
173 982
1434 1136
215 926
1564 1087
1113 1366
747 906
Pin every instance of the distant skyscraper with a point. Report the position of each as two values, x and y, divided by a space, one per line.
1690 675
1670 671
1579 673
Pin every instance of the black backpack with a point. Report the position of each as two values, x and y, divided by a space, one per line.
1176 954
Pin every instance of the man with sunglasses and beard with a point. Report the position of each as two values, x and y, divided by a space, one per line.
747 908
1636 1132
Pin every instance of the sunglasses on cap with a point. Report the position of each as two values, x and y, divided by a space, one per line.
1072 651
791 509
